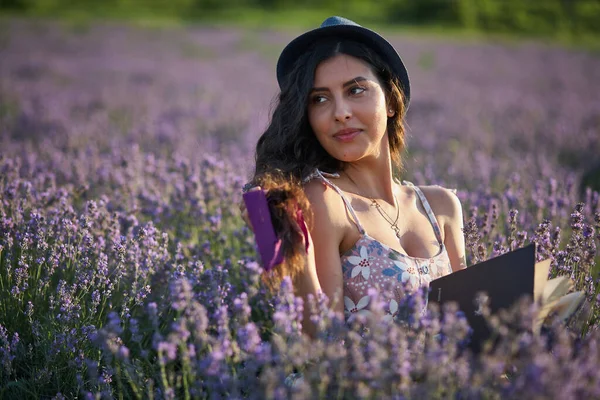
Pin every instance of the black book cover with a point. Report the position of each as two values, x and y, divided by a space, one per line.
505 279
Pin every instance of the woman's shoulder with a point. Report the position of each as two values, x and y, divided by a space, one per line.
443 201
327 213
322 198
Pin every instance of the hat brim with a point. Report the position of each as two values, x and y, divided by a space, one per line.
382 47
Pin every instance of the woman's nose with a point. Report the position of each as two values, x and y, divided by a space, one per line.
342 111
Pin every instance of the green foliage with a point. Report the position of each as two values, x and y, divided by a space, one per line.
422 12
591 179
561 19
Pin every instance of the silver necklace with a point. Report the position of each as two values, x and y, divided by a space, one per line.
393 224
388 219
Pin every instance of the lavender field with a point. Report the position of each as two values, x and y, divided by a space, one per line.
127 272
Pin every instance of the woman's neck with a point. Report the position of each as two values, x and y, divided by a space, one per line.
372 178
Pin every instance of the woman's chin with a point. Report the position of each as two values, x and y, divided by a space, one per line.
349 157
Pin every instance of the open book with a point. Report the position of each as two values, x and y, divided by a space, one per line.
505 279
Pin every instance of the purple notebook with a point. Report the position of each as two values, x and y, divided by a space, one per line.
269 245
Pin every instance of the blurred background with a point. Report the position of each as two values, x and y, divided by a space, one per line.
128 129
564 20
504 91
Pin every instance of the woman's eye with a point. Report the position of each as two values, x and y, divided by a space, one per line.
318 99
357 90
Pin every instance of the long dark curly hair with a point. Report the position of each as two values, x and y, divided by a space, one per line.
288 151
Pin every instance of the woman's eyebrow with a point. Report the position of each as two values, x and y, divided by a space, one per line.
350 82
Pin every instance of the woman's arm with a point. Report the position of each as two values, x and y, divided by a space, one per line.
323 270
448 211
454 238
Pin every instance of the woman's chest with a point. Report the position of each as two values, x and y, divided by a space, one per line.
371 265
412 234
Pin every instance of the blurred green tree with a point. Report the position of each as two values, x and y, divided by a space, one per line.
550 18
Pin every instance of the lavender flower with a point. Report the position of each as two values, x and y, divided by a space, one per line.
126 271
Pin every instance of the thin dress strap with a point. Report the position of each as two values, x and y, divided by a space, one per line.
430 214
321 176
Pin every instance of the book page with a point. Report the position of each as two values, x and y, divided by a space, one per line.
542 269
563 307
543 313
556 288
568 304
552 292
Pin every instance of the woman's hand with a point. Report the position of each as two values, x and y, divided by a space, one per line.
307 281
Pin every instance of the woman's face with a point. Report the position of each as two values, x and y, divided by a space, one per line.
347 109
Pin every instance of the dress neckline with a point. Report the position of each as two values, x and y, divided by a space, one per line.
366 236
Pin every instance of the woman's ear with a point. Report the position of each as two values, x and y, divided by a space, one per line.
391 112
390 106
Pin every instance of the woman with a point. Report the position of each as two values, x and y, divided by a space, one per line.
332 150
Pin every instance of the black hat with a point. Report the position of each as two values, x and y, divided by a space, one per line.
338 26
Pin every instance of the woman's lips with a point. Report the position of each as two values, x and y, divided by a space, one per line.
346 135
